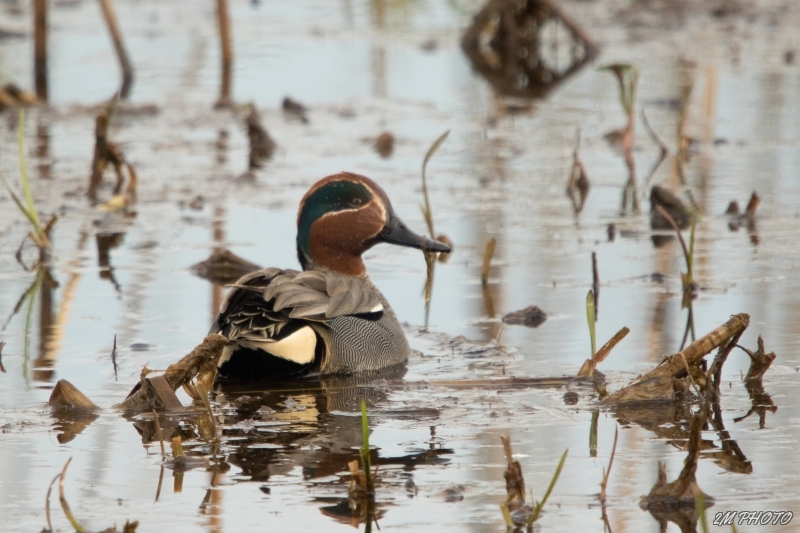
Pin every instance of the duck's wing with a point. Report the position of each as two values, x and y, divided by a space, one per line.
276 311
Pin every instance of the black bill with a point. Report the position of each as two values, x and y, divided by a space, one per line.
396 232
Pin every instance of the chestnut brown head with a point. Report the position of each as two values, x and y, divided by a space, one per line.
344 215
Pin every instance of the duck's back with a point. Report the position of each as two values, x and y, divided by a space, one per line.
283 323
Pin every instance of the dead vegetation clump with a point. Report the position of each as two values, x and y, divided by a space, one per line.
223 267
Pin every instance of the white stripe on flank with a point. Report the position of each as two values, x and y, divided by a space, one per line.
297 347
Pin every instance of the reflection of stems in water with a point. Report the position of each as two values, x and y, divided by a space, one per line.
590 318
664 150
607 473
63 499
593 434
488 253
689 326
366 462
688 255
160 481
700 504
26 354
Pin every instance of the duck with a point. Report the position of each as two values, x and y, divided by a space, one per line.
328 318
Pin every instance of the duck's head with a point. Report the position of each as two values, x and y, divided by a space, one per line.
344 215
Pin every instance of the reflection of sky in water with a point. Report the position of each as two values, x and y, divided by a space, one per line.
505 180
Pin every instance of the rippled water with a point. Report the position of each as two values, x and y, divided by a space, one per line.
361 69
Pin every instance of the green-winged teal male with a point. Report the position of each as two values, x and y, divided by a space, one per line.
329 318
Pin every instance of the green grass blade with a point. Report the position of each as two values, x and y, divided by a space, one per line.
33 216
553 481
590 318
17 201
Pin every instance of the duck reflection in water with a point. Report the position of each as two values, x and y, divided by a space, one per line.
311 423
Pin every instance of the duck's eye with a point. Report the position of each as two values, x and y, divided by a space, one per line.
356 201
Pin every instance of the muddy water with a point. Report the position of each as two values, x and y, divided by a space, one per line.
361 68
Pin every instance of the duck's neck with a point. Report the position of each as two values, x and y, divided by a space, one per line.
335 260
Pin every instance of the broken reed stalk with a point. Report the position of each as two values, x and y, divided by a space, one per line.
119 47
160 436
366 462
63 500
607 473
603 352
40 48
177 447
226 53
657 385
538 507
